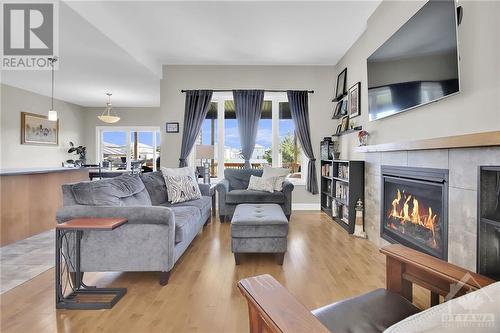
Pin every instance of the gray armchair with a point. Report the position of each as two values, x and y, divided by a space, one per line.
233 191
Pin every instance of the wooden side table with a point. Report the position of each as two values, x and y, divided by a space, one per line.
80 291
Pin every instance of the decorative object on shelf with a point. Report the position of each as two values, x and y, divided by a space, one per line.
354 99
172 127
52 114
335 148
363 137
107 115
205 153
359 227
37 129
344 124
81 151
341 85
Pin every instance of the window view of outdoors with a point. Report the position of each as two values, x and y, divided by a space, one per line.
208 136
144 150
290 151
114 150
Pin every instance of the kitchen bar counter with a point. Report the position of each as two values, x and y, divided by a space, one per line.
30 198
31 171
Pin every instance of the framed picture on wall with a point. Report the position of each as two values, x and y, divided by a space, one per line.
354 100
338 110
341 84
37 129
344 124
172 127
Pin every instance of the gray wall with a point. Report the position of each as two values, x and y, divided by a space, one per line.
16 155
318 78
475 109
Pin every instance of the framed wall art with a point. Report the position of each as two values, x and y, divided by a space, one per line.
172 127
37 129
354 100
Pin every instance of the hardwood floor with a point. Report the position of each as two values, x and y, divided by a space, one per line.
323 264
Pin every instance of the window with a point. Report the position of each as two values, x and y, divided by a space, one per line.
208 136
128 148
276 142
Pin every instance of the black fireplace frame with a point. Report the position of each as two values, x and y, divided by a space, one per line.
429 176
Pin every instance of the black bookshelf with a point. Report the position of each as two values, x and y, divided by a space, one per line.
342 184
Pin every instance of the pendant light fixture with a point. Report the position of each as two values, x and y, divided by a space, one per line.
52 115
106 115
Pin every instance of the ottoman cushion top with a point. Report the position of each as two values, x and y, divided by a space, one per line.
259 220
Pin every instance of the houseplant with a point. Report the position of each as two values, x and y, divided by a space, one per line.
81 151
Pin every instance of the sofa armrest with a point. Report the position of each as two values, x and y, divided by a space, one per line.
406 267
288 186
204 189
222 186
134 214
273 309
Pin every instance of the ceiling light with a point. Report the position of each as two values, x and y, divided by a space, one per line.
106 115
52 115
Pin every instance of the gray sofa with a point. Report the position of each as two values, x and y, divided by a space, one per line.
233 191
157 232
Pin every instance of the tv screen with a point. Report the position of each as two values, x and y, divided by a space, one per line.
417 65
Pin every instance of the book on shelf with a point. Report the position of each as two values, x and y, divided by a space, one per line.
343 171
327 170
341 191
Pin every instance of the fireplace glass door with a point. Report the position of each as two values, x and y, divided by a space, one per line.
413 214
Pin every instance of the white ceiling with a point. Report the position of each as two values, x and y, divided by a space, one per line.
120 46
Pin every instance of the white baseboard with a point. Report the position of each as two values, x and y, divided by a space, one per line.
305 206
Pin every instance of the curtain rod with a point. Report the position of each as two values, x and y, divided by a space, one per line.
265 90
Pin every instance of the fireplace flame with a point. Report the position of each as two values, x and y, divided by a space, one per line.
406 213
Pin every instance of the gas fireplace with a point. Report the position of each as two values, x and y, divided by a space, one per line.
414 208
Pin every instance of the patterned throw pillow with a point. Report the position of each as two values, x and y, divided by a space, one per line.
261 184
278 174
182 188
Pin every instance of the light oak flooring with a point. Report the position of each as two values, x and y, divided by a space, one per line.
323 264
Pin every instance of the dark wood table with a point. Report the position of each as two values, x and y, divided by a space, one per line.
83 296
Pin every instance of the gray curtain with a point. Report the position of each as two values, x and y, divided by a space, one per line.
248 107
196 109
299 108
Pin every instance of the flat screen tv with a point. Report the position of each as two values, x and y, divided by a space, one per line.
418 64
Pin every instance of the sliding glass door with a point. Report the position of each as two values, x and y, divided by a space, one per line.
128 148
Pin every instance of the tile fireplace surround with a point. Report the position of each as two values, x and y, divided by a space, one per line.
463 166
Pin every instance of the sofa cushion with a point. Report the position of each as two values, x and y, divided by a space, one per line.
204 204
483 304
278 175
186 221
239 178
261 184
155 185
124 190
250 196
369 313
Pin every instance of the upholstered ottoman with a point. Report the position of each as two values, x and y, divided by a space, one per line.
259 228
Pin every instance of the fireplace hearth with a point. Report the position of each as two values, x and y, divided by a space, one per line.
414 208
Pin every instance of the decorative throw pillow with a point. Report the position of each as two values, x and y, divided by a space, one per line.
177 172
279 175
261 184
182 188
